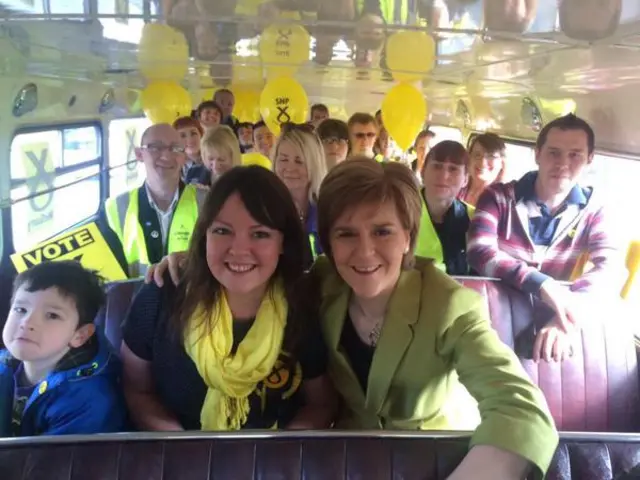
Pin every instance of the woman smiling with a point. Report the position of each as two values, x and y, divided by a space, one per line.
298 160
398 329
234 344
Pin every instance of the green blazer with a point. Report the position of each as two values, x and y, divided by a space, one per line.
433 329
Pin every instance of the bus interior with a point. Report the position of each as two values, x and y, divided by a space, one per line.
72 76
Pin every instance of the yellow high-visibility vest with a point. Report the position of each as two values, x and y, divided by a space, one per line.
122 217
428 244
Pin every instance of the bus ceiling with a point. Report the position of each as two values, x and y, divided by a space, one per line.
501 65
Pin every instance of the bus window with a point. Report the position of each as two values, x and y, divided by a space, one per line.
125 173
446 133
616 179
55 181
519 160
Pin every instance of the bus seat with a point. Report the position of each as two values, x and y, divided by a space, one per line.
110 319
596 390
286 455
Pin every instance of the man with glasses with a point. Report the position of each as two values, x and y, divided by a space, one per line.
158 217
363 131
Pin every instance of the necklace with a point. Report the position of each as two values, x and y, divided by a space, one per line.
374 334
357 313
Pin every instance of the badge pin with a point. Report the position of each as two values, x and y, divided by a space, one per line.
155 234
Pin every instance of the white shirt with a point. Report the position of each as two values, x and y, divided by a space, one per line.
164 216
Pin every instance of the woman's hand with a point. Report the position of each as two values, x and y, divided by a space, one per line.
174 262
484 462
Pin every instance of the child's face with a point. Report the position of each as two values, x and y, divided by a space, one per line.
42 327
216 161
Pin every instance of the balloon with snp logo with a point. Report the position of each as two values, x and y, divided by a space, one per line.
283 100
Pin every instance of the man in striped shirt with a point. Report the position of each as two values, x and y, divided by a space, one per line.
537 232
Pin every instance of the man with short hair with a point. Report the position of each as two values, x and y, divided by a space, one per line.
334 135
319 113
363 131
535 232
263 139
159 217
226 100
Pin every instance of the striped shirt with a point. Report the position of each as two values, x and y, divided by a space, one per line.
500 244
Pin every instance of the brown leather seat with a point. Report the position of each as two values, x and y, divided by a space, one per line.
596 390
287 456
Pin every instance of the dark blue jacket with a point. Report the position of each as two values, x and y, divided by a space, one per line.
84 400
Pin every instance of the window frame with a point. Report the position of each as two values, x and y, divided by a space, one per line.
8 243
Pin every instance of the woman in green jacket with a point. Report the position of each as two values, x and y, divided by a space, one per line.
399 331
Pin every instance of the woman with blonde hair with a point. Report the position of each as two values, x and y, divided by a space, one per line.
220 151
298 160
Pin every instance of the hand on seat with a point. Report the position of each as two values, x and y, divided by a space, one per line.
558 297
174 262
555 343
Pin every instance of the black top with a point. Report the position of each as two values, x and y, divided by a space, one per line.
452 233
178 383
359 354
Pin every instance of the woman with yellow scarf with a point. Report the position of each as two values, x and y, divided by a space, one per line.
236 343
402 336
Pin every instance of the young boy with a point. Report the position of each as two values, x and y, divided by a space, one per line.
56 376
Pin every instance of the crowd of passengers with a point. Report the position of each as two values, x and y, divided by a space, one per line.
318 294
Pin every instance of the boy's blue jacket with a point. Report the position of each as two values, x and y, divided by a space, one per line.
83 400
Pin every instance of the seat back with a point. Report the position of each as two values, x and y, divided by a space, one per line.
284 455
112 316
596 390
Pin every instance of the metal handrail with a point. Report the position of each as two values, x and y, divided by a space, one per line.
290 435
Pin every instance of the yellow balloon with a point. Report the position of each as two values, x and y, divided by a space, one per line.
164 102
404 111
256 158
283 48
402 60
163 53
283 100
247 106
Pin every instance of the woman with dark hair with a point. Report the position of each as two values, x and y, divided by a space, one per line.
486 165
444 220
191 133
235 344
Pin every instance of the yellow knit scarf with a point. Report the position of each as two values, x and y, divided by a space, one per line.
232 378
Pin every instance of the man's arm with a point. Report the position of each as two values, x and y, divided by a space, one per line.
483 250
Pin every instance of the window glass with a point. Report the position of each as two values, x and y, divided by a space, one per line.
446 133
615 179
125 172
519 160
47 196
80 145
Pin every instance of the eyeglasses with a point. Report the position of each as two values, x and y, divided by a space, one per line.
301 127
158 148
335 140
363 135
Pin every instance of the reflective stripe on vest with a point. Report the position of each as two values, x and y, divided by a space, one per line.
428 244
122 216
